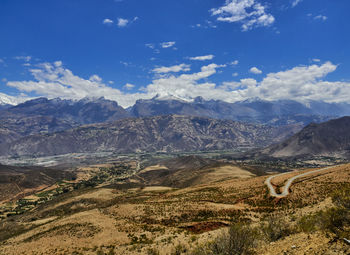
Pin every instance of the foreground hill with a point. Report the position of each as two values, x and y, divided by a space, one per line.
331 138
187 171
101 219
19 181
172 133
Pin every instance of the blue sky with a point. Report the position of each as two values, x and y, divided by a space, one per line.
126 50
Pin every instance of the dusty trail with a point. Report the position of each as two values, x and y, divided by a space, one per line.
289 182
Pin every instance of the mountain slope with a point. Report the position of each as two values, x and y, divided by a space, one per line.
172 133
331 138
282 112
84 111
21 180
42 115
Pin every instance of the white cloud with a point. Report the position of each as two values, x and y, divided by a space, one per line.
129 86
187 86
165 45
108 21
321 17
234 63
203 58
53 80
248 12
235 74
150 45
23 58
95 78
172 69
316 60
304 83
296 2
122 22
255 70
300 83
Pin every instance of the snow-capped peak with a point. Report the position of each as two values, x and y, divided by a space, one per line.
166 97
6 99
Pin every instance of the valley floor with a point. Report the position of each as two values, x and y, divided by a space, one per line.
110 218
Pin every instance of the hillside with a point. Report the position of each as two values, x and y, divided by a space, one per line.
331 138
101 219
161 133
19 181
187 171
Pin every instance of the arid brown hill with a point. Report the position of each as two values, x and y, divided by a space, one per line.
331 138
172 133
15 181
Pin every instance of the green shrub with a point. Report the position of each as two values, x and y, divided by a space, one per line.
240 239
275 228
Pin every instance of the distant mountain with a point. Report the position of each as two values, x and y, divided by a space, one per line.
7 100
172 133
42 115
282 112
84 111
331 138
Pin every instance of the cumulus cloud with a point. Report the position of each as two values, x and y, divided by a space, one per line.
202 58
304 83
301 83
54 80
187 86
165 45
108 22
172 69
250 13
122 22
255 70
129 86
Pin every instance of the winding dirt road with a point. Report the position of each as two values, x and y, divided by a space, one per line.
289 182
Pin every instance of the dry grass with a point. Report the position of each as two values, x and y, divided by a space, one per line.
136 221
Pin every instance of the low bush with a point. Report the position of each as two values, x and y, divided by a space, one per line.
240 239
275 228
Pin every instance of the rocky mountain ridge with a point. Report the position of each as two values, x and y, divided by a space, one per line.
331 138
172 133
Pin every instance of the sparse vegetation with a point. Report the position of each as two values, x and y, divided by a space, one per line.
240 239
274 228
225 217
335 220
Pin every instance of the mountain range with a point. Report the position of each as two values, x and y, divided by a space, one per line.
38 126
170 133
328 139
281 112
